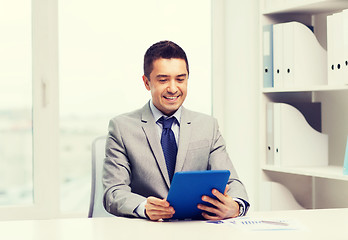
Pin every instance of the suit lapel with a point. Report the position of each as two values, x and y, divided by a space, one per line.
150 128
184 139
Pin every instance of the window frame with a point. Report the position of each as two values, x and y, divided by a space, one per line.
45 95
45 116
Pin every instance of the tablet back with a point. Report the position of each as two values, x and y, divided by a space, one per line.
187 189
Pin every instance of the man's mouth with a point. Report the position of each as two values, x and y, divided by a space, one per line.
171 98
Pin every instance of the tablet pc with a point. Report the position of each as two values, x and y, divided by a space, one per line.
187 189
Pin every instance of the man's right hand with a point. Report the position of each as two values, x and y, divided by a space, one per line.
157 209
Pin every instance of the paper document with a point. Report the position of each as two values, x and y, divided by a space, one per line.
258 224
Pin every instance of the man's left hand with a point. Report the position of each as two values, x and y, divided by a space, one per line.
225 206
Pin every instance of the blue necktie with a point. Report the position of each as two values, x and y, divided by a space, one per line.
168 145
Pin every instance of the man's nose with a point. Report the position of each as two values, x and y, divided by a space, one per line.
172 87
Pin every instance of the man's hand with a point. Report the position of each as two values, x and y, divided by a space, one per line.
157 209
225 206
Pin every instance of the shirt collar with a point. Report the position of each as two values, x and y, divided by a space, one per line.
157 114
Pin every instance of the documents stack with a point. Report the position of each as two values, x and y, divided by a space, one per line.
291 140
298 58
337 48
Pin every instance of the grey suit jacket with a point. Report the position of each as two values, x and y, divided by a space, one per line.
135 168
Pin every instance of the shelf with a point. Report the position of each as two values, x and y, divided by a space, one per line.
329 172
306 89
314 186
301 6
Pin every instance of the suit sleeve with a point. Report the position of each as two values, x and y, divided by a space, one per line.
118 198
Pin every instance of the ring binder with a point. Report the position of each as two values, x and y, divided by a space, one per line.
295 141
298 57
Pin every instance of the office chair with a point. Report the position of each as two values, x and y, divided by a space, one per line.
96 207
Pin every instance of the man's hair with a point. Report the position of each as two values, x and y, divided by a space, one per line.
162 49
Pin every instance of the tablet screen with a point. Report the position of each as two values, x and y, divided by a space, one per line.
187 189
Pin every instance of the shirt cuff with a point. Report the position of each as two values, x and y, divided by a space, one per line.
140 210
242 207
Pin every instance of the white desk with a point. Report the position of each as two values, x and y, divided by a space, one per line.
317 224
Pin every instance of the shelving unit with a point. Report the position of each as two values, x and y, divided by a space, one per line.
329 172
324 88
302 6
312 187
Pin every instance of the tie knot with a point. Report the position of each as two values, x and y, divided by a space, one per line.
166 123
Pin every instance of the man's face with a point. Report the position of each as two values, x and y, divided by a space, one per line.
168 84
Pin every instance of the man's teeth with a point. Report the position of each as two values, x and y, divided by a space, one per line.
172 98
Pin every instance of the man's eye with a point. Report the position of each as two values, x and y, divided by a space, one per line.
181 79
162 80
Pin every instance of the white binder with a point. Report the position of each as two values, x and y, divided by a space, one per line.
289 49
330 50
345 47
269 135
296 143
298 56
338 48
276 133
277 55
337 37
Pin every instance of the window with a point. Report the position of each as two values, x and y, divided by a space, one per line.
28 109
101 48
16 143
48 122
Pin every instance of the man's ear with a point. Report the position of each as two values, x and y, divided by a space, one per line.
146 83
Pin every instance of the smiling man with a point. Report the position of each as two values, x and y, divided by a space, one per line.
168 85
146 147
